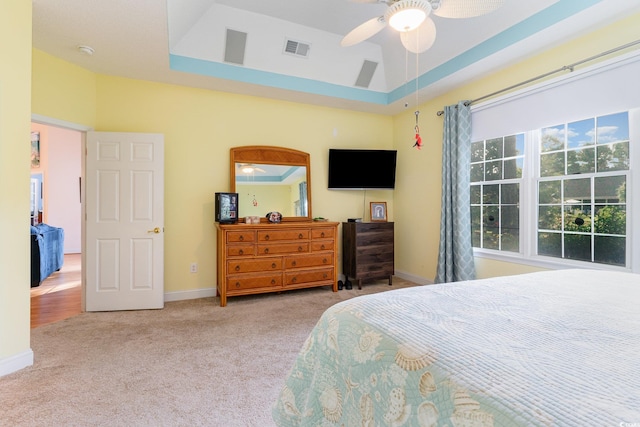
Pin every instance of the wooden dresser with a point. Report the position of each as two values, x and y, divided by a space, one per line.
260 258
367 251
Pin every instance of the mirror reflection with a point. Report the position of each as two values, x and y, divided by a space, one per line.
265 188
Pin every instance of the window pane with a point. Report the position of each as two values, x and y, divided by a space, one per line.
581 161
549 192
577 191
577 246
491 194
514 145
552 138
582 133
513 168
614 127
550 244
493 170
552 164
550 218
610 250
475 194
494 149
610 189
510 228
476 212
510 194
477 151
611 220
491 234
577 218
477 172
613 157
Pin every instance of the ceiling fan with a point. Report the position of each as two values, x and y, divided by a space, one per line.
411 19
248 168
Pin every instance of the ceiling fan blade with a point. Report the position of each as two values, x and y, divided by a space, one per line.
466 8
420 39
364 31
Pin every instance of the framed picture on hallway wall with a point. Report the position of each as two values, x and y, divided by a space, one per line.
378 211
35 149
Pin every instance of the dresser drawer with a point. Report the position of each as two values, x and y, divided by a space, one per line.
241 236
247 281
283 248
252 265
279 235
323 233
318 260
321 245
241 250
300 277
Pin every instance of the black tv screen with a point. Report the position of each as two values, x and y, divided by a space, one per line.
362 169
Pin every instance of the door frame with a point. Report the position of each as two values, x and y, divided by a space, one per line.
82 129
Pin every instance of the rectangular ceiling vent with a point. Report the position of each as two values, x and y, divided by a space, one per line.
296 48
234 47
366 73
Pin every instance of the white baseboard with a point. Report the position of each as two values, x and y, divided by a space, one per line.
16 362
413 278
193 294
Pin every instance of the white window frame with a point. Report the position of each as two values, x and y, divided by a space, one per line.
528 190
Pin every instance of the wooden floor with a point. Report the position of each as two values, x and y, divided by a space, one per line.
58 297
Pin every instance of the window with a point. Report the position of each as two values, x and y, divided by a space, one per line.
574 176
496 174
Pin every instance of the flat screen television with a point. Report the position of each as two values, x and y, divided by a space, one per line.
351 169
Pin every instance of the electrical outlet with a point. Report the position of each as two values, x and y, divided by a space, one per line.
194 267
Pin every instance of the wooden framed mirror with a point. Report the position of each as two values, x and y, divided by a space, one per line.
269 179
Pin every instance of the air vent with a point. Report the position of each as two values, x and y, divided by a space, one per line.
293 47
234 48
366 73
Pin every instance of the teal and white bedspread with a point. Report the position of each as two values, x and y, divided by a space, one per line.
542 349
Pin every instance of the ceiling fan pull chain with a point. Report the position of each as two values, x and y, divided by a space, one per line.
418 143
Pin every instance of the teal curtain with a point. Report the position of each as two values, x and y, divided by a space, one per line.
455 257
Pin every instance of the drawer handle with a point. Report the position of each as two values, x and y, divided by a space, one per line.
237 268
237 284
299 248
324 260
273 265
294 280
322 234
241 252
324 275
322 247
266 237
273 281
294 263
300 236
266 250
241 238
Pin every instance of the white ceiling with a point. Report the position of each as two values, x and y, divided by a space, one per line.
183 41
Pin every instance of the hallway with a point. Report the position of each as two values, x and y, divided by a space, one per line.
59 295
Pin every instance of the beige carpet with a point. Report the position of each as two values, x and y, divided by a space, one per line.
191 364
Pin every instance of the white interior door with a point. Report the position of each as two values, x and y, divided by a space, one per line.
124 221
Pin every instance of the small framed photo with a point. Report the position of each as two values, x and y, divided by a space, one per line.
378 211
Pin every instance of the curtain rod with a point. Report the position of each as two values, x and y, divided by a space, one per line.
569 67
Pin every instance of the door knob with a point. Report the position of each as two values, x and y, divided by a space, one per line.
155 230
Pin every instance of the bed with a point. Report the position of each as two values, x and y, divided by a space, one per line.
556 348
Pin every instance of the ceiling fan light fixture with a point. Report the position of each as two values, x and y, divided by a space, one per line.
247 169
407 15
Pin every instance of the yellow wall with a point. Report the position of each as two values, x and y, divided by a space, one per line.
63 91
417 194
15 126
268 198
200 126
